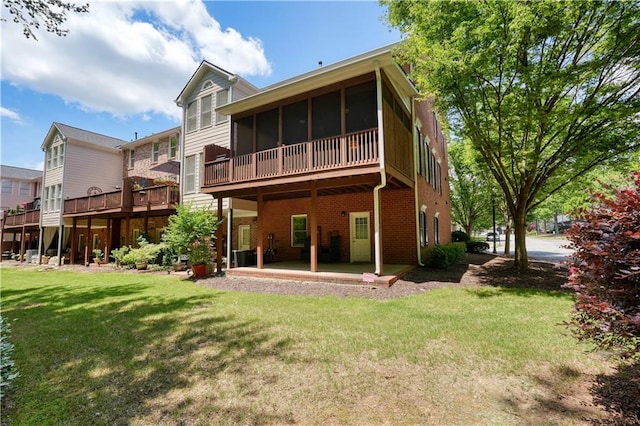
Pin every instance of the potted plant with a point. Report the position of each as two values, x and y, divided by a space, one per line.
189 233
97 256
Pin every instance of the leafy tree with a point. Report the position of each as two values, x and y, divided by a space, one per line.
470 192
544 90
606 272
190 232
50 13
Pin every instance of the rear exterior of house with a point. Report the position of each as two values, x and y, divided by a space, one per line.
342 164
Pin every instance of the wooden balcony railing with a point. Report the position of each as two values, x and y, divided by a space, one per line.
350 150
95 203
27 217
160 195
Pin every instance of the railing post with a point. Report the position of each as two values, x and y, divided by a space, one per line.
309 156
343 150
230 170
254 169
280 160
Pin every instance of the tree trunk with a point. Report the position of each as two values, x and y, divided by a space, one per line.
520 232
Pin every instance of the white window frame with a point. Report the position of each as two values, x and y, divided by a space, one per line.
220 101
24 188
190 174
294 217
7 186
155 152
206 109
132 158
173 147
192 116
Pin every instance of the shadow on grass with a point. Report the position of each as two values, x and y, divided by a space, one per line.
453 274
108 354
619 394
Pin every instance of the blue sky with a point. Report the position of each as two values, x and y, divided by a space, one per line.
121 66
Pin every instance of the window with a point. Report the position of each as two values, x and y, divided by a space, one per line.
25 188
222 98
57 198
436 230
49 152
52 198
295 123
45 199
60 155
54 157
326 115
424 237
7 186
439 177
173 147
298 230
205 111
155 152
190 173
191 116
132 158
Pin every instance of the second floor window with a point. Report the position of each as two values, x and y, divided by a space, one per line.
190 174
192 116
25 188
222 98
155 152
7 186
132 158
205 111
173 147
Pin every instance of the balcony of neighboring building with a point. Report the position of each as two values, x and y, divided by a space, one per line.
136 194
27 214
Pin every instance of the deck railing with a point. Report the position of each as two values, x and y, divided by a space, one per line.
350 150
93 203
159 195
21 218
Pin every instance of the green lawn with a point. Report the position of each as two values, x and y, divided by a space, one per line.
154 349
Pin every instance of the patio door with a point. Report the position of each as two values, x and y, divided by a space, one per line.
244 237
360 237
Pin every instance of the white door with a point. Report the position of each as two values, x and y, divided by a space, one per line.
360 237
244 237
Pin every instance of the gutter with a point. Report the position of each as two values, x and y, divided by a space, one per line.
383 175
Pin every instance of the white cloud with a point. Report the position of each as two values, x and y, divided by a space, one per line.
116 62
11 115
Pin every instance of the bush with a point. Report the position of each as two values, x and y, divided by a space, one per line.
7 370
605 275
477 246
445 255
147 252
458 236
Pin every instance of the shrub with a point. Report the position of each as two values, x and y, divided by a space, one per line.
458 236
7 366
444 255
477 246
605 275
190 232
119 253
147 252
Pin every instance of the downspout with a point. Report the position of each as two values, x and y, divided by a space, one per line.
181 147
383 176
416 168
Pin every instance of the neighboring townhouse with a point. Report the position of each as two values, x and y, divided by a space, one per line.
78 164
19 209
341 164
210 87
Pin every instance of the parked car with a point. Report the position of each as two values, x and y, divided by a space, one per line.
491 234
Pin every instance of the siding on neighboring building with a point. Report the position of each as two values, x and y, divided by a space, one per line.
86 167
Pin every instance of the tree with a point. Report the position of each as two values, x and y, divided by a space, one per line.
470 193
606 271
51 13
544 90
190 232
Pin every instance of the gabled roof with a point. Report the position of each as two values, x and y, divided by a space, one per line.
19 173
202 70
325 76
69 132
151 138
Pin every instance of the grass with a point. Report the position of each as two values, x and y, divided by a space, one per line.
154 349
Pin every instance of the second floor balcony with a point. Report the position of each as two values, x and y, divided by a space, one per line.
342 152
28 214
132 197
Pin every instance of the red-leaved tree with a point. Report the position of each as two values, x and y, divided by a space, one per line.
605 275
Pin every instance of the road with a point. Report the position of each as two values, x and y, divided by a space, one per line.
544 248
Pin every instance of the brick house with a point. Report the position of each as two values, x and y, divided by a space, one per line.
341 164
